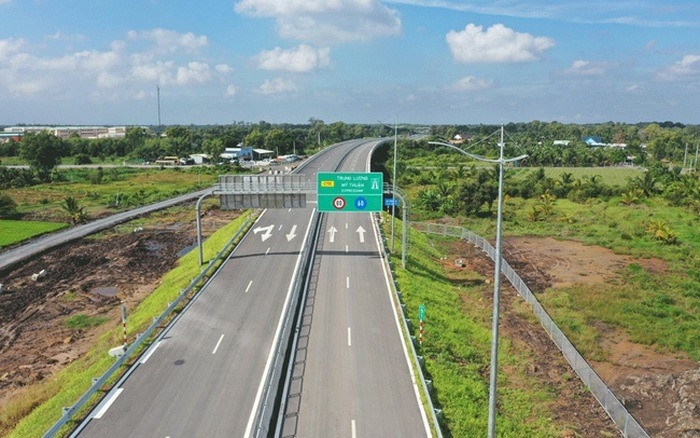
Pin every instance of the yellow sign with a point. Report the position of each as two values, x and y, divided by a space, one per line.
328 183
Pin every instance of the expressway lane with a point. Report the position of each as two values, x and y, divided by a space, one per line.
203 376
354 374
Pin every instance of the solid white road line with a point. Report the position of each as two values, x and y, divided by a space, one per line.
249 284
353 429
347 282
150 352
107 404
268 251
221 338
349 337
258 396
347 249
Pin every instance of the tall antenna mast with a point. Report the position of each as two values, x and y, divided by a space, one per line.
158 95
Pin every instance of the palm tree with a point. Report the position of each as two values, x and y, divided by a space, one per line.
76 213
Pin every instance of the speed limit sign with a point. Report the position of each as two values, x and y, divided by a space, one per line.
339 203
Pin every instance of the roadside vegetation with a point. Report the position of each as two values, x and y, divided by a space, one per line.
40 406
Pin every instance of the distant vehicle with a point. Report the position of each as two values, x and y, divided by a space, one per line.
168 161
186 161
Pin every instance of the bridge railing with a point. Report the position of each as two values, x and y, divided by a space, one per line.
627 424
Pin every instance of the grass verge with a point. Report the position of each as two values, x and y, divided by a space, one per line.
456 348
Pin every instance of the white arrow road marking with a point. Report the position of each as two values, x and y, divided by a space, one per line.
292 234
332 230
361 231
267 232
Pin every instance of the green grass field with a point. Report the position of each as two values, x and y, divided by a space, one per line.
12 232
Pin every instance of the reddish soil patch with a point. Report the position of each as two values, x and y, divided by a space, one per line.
661 391
35 341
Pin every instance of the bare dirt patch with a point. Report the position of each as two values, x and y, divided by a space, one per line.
661 391
574 407
35 339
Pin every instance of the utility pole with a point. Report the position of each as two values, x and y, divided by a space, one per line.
158 97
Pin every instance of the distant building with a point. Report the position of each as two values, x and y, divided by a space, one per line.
89 132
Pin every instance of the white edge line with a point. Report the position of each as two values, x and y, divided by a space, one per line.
347 282
349 337
353 429
107 404
271 355
423 414
221 338
150 352
250 283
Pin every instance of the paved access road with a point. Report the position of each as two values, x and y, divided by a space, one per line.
43 243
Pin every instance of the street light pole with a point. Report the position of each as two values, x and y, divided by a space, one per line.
393 185
501 161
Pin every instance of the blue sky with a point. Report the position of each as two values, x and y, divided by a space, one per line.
356 61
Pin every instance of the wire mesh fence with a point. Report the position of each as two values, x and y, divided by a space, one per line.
627 424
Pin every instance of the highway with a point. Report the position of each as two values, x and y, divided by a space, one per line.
204 375
352 377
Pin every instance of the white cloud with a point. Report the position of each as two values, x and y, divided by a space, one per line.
687 68
587 68
223 68
25 71
326 21
277 86
231 91
471 83
169 41
497 44
300 60
9 47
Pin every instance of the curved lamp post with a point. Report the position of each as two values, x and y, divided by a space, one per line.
501 161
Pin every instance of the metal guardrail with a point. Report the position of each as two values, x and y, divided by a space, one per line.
97 383
627 424
405 326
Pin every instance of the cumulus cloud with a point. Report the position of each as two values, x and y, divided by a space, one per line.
231 91
498 43
169 41
587 68
326 21
471 83
687 68
300 60
166 59
277 86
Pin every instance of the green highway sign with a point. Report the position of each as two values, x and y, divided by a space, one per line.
421 312
350 191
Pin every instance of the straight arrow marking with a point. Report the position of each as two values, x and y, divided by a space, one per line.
332 230
361 231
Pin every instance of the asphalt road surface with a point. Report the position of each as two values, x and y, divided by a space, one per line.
204 375
353 374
